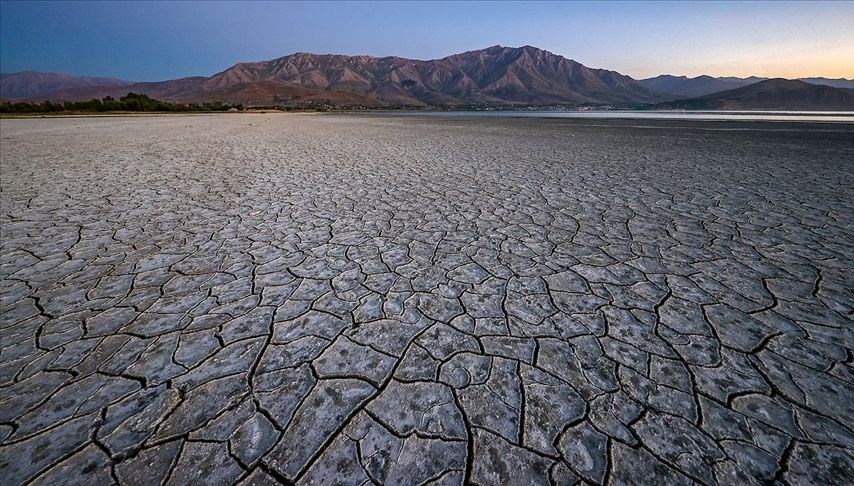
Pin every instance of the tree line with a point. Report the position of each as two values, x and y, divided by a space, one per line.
129 102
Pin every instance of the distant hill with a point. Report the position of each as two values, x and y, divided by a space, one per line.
496 75
32 84
685 87
771 94
836 83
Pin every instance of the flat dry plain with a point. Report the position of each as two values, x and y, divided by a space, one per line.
353 299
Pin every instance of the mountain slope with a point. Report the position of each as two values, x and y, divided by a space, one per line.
771 94
32 84
494 75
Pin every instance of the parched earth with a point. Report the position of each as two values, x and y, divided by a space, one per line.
341 299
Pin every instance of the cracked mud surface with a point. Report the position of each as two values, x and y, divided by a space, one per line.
369 299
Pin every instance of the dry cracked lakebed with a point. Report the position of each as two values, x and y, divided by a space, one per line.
350 299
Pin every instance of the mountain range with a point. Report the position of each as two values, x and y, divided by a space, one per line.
496 75
685 87
33 84
771 94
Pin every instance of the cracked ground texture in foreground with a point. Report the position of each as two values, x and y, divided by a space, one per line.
327 299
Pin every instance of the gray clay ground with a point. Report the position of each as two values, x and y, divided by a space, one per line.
327 299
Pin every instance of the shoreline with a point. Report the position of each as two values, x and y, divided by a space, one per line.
133 114
684 115
732 120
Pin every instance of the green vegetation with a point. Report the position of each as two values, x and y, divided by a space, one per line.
130 102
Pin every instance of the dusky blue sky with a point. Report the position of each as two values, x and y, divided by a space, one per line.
144 41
